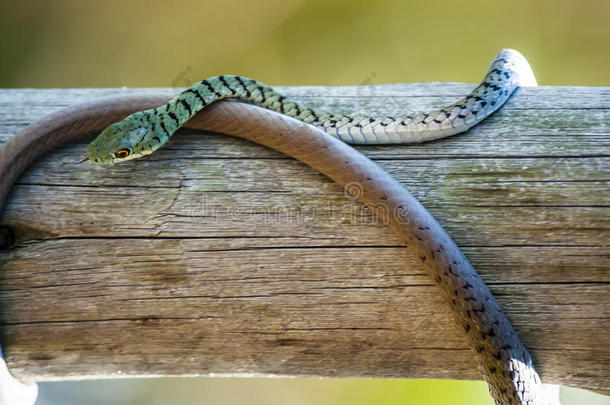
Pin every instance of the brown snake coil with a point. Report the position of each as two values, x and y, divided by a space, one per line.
502 359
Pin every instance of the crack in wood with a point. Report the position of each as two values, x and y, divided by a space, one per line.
104 269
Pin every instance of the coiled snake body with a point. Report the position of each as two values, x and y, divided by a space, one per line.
303 134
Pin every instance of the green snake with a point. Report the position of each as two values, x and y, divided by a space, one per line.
303 133
145 131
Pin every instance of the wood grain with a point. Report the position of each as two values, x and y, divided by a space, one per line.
218 256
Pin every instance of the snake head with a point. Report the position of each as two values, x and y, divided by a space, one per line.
129 139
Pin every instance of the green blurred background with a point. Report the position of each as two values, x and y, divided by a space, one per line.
70 43
114 43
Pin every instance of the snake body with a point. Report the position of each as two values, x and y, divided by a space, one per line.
501 357
145 131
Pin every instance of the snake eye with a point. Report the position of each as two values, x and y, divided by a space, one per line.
122 153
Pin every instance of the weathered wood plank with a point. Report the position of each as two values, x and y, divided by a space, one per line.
216 255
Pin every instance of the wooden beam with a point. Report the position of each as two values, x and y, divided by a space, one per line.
218 256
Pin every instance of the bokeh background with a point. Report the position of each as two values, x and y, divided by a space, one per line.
112 43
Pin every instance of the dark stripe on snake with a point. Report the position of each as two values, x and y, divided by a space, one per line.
173 117
186 105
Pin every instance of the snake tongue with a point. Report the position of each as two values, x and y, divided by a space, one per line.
84 160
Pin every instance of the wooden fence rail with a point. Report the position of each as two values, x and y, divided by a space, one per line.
218 256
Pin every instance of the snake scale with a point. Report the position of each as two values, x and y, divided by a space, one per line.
147 122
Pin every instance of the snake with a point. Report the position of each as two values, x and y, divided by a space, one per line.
135 126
